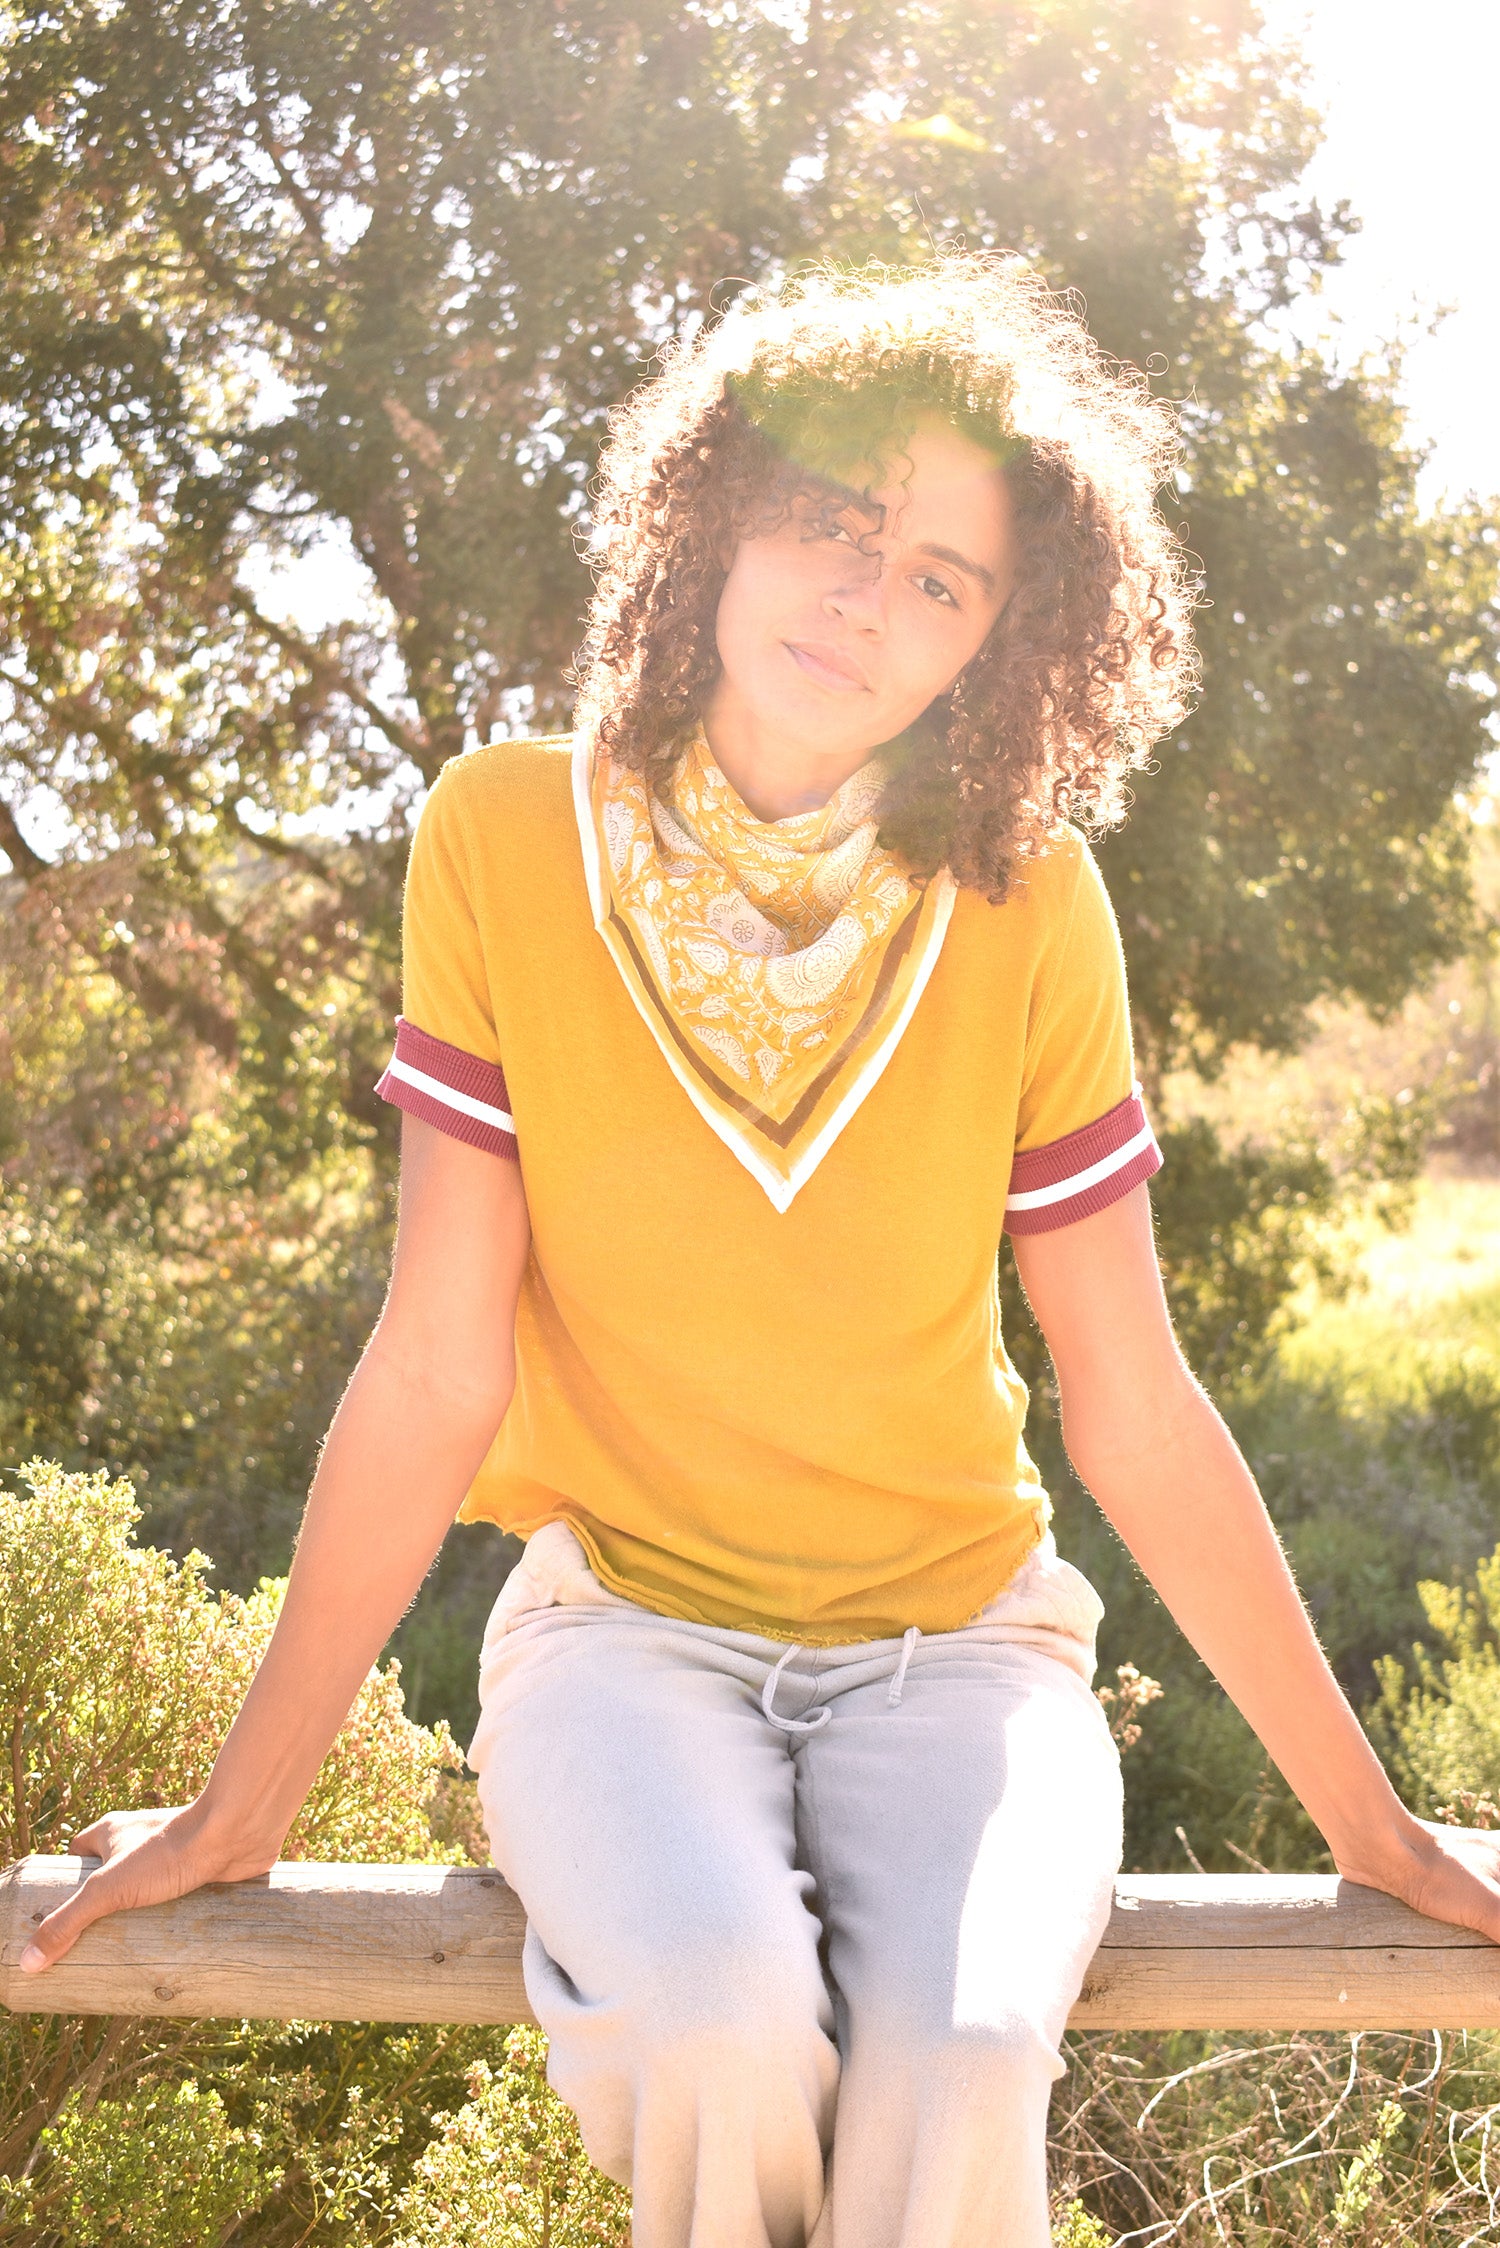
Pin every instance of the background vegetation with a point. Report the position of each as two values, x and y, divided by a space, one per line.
313 315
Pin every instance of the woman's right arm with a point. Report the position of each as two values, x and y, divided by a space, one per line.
416 1421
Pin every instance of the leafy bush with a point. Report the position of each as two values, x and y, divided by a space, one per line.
202 1342
137 2173
119 1674
1437 1723
509 2170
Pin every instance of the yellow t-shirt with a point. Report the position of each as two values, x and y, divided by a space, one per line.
801 1423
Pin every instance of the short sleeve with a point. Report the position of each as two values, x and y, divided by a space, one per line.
446 1064
1083 1139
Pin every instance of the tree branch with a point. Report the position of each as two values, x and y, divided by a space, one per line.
171 1001
28 864
195 238
281 847
307 210
328 669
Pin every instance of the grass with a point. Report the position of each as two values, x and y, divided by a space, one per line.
1276 2141
1432 1285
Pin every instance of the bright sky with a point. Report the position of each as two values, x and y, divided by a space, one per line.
1408 96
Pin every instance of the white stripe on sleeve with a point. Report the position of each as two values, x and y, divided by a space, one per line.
1042 1197
436 1090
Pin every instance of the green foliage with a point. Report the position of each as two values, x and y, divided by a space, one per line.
1291 846
135 2173
1075 2228
345 2112
120 1672
1437 1723
1365 2175
180 1298
509 2170
1238 1229
210 1354
1241 1228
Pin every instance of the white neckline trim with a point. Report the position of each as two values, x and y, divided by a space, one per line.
781 1190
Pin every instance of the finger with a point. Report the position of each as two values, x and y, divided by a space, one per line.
108 1836
92 1841
61 1927
96 1896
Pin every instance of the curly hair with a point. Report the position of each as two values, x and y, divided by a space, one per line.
1091 660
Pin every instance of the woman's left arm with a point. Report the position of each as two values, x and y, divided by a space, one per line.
1166 1472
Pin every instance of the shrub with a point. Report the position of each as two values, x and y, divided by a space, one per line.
120 1671
1220 2140
1437 1724
509 2170
165 2167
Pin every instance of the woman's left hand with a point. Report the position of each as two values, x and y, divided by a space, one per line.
1449 1873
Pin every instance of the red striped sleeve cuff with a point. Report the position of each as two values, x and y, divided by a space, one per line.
461 1095
1073 1177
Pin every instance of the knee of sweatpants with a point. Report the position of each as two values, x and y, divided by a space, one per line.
740 2024
1009 2054
734 2040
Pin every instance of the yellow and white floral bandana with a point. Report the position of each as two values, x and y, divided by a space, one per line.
776 963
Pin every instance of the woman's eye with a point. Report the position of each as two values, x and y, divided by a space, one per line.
818 527
936 590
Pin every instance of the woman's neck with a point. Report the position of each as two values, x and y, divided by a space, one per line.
774 776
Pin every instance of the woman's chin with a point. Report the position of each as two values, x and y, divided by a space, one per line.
817 723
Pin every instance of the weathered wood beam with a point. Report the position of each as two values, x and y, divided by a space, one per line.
443 1944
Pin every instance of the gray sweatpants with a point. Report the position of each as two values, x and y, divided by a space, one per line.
805 1925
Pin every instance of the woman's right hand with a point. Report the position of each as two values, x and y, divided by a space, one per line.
146 1858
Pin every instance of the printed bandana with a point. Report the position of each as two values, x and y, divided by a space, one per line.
776 963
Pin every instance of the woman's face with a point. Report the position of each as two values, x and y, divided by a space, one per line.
837 629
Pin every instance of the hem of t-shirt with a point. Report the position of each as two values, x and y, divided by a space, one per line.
1041 1523
777 1630
1084 1171
459 1092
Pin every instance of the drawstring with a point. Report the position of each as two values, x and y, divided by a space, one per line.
768 1699
909 1639
821 1716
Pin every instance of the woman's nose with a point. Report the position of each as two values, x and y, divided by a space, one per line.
859 596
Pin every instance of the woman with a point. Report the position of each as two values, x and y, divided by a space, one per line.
735 1032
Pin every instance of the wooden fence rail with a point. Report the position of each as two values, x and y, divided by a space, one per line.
443 1944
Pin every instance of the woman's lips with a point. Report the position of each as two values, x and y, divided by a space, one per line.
828 669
